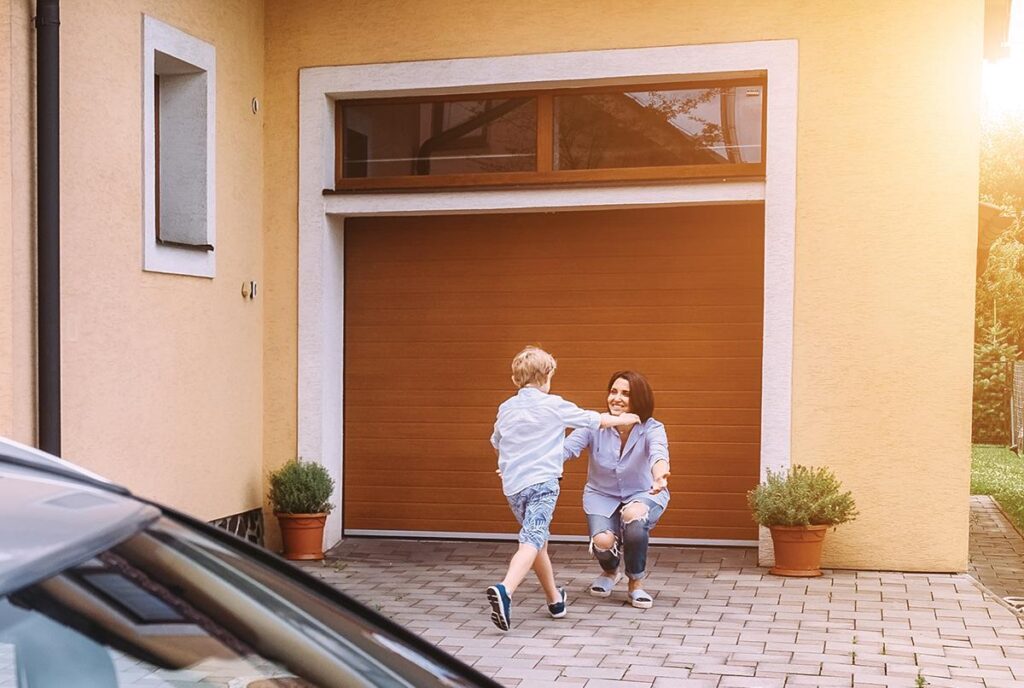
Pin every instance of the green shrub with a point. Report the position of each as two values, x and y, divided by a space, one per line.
801 496
301 487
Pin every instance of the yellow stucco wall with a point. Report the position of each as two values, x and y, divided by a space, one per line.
161 374
16 390
886 220
17 205
6 235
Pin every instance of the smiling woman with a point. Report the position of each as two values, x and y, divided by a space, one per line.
627 486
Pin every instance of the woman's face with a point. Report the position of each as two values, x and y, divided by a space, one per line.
618 397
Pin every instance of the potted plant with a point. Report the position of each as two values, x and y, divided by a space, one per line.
799 505
300 492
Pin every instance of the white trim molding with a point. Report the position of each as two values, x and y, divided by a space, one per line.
321 218
160 37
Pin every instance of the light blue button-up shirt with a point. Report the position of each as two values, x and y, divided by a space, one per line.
615 478
529 434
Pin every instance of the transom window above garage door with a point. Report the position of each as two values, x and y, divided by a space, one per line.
695 130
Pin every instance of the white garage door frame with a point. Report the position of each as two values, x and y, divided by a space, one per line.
322 218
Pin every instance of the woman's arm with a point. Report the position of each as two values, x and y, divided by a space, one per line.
575 443
657 443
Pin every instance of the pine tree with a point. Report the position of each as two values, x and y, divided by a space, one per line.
1001 286
994 355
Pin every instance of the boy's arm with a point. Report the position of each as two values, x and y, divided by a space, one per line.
610 421
572 416
495 438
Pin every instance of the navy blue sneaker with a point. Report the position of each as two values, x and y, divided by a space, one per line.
501 606
557 610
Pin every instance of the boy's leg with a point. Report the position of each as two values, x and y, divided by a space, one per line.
537 510
546 576
522 561
533 508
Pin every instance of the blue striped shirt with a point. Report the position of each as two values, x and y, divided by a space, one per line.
616 474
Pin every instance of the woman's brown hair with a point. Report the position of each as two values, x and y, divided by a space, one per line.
641 396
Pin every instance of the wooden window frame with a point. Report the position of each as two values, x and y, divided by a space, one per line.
545 174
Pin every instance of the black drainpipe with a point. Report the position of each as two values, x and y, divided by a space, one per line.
48 218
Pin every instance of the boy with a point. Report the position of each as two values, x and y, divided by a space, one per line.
528 436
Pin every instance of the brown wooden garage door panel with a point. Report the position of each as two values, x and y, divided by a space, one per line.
586 368
594 334
476 490
391 454
700 400
448 430
436 307
491 317
709 230
569 511
433 452
717 289
457 351
361 415
695 379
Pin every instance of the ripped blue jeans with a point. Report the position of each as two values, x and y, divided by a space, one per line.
631 539
534 507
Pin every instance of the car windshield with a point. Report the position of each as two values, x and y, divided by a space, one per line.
172 607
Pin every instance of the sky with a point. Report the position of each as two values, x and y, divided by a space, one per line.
1003 81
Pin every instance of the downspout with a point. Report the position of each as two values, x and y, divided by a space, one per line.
47 22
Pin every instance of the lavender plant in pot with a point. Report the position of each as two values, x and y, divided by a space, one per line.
798 506
300 492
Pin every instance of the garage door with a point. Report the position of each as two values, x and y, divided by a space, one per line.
435 308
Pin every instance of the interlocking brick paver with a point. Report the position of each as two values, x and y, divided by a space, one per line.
719 621
996 548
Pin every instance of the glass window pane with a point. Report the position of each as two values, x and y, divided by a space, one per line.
700 126
439 137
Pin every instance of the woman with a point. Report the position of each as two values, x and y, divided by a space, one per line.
627 486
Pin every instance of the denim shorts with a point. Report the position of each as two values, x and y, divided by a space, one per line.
534 508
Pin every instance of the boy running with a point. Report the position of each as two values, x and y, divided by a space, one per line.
528 436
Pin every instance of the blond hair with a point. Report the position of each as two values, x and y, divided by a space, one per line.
531 366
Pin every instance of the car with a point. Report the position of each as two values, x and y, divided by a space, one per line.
101 588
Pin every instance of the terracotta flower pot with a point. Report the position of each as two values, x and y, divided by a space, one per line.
302 535
798 550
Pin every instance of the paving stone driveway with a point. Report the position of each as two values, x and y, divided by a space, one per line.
997 550
718 620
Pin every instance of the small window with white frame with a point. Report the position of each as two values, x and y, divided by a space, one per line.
179 124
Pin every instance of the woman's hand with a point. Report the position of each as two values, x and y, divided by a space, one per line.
659 476
660 483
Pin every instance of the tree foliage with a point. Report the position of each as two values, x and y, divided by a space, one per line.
1002 162
994 355
1000 292
999 299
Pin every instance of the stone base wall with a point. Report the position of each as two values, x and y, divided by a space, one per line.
248 525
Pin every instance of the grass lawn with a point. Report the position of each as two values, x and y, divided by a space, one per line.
998 472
